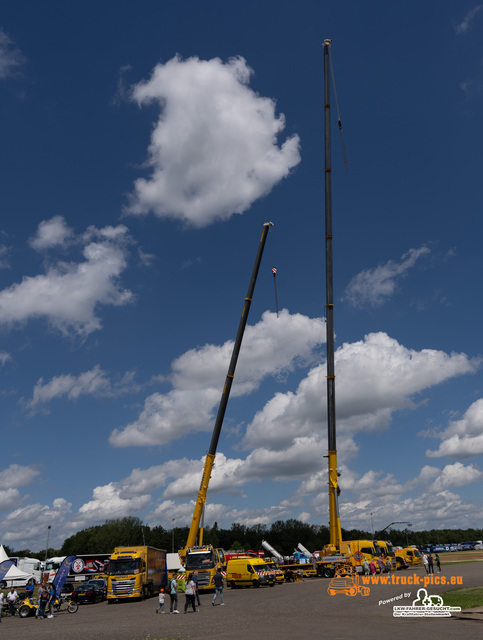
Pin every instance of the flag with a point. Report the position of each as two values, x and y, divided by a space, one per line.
62 573
4 567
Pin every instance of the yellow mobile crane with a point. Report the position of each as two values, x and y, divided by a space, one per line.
204 558
334 518
355 550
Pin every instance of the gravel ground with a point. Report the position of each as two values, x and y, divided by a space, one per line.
288 611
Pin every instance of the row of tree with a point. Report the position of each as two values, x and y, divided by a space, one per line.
284 536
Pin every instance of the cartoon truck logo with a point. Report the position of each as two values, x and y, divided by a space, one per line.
346 581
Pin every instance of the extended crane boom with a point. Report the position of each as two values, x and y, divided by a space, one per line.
334 518
210 457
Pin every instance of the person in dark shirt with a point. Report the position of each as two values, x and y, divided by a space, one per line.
218 580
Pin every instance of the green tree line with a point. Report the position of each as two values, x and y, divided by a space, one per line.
284 536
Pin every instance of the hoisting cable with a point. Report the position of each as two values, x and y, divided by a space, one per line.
274 272
346 164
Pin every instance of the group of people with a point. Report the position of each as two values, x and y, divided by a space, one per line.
428 562
383 565
45 599
191 593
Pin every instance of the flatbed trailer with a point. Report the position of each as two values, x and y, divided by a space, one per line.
317 568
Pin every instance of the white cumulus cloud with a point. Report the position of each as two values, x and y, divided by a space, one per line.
463 26
69 293
51 233
374 286
271 347
10 56
95 382
463 438
374 377
215 147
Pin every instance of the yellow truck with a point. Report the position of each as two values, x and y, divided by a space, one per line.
277 573
387 551
410 554
136 572
246 571
360 550
206 560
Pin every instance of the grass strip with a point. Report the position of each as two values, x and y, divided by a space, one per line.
464 598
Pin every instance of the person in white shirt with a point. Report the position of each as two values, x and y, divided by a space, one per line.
12 596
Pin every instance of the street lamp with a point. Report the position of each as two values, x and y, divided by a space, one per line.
390 525
173 520
48 536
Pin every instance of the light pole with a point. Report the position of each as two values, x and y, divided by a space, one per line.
407 532
48 536
173 520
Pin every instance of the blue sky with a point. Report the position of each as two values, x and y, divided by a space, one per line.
143 146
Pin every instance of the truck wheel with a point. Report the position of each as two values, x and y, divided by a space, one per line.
72 606
328 572
256 583
233 584
24 611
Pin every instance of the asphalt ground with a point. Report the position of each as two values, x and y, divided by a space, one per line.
288 611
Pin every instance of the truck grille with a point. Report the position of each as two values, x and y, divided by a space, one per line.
122 587
203 578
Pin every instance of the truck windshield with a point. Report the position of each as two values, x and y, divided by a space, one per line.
262 567
122 567
417 553
377 549
390 550
202 560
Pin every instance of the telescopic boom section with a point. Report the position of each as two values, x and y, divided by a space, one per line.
210 458
334 519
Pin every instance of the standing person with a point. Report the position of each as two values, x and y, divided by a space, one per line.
12 596
173 596
366 567
43 599
438 562
39 597
51 600
29 588
372 567
430 564
195 580
189 593
161 601
425 562
218 580
2 602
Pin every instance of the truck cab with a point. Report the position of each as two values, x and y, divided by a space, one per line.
360 550
206 560
248 571
411 555
387 552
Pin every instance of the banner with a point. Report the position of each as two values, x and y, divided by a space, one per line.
4 567
62 573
